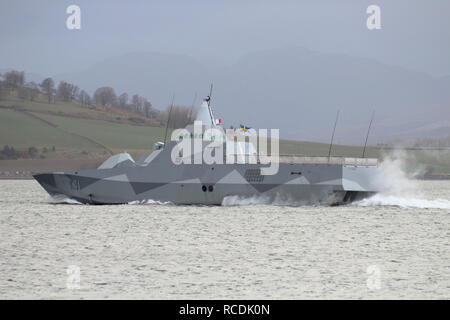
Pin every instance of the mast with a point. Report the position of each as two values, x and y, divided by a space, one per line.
332 136
168 119
368 132
209 106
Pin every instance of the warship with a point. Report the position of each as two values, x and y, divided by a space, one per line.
165 175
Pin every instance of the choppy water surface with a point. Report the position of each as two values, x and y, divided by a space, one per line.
389 246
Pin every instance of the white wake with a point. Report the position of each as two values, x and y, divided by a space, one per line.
150 201
245 201
277 200
62 199
403 202
401 189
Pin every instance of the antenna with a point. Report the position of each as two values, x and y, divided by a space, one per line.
332 136
210 94
368 132
209 105
168 119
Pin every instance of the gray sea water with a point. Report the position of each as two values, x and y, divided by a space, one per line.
391 246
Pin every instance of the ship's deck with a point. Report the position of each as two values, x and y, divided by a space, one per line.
301 159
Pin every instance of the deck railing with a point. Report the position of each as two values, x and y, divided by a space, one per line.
292 158
348 161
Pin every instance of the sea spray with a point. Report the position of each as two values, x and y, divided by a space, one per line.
394 178
244 201
279 199
401 189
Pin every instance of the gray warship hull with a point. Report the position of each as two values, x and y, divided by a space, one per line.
321 181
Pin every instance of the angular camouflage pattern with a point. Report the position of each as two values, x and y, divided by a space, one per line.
202 184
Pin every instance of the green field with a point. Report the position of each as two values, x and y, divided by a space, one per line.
73 128
116 137
322 149
78 131
71 109
21 131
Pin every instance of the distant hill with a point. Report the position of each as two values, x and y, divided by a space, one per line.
294 89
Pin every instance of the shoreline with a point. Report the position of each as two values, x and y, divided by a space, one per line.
24 169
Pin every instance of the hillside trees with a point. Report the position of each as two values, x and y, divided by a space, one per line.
8 153
137 103
142 106
147 108
48 88
105 96
67 91
2 90
14 82
14 79
123 100
84 98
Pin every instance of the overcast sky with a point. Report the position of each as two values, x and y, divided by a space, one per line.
415 34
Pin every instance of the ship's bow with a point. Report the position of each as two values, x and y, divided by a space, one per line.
48 182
